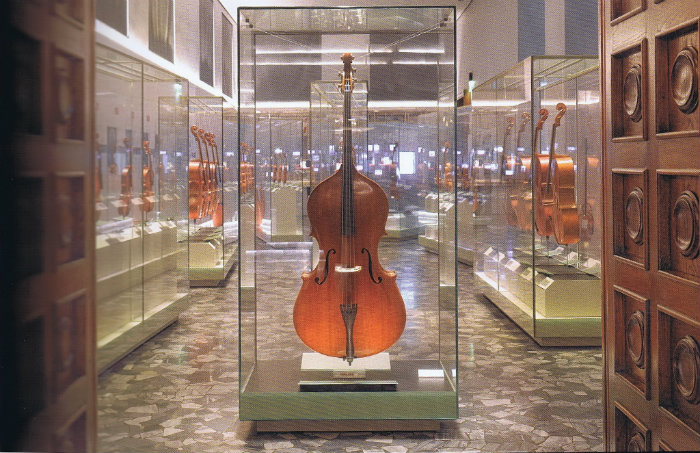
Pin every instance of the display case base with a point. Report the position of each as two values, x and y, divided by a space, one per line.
546 330
269 237
271 393
216 273
345 425
464 255
121 342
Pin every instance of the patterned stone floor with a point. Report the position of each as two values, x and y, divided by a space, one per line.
179 391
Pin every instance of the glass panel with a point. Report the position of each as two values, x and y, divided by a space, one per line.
119 254
141 254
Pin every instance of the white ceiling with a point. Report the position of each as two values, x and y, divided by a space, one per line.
232 5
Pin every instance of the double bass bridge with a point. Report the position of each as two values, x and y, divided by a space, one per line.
347 270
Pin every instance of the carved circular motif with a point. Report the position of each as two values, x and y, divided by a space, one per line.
685 215
684 80
634 332
634 222
686 368
632 93
636 443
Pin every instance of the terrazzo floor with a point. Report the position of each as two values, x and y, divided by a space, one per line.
179 391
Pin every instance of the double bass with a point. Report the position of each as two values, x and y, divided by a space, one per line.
523 206
348 306
561 179
218 212
542 186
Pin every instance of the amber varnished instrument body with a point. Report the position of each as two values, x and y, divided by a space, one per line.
381 314
147 178
515 185
524 202
126 184
348 306
217 216
196 180
209 173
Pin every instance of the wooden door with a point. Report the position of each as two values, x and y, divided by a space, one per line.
53 368
652 233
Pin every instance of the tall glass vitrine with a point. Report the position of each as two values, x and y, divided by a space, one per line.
538 258
289 59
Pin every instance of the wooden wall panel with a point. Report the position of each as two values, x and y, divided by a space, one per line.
651 160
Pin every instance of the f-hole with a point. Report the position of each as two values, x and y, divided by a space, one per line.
369 266
318 281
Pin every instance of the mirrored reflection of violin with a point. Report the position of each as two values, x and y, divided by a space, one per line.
209 189
148 195
513 165
524 206
348 306
285 168
196 180
218 210
393 173
447 168
126 183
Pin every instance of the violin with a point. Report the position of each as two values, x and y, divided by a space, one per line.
284 174
196 180
448 181
218 212
148 202
523 209
393 174
348 306
245 180
561 180
510 122
504 163
542 187
209 189
127 181
275 171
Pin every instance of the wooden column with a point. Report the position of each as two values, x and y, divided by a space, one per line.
54 300
651 305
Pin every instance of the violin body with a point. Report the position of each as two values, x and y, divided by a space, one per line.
381 314
196 177
565 211
195 171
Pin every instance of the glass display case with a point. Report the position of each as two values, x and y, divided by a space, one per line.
278 156
538 258
347 322
141 208
213 205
